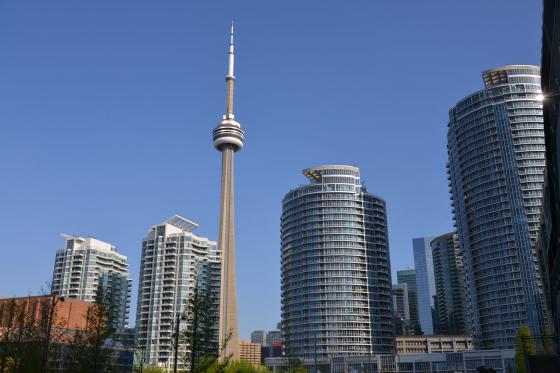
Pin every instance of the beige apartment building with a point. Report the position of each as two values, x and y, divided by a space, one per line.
423 344
250 352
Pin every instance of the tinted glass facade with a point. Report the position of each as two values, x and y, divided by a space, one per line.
408 277
496 163
258 336
273 337
425 283
400 301
336 278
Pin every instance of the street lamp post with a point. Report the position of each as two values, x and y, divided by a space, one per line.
52 306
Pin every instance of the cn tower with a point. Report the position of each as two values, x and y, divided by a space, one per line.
228 139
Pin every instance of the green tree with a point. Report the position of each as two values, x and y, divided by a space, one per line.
198 340
50 330
21 340
25 353
298 367
8 315
235 367
523 344
152 369
244 367
91 349
138 358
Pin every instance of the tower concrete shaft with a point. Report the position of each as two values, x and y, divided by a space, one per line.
228 138
228 299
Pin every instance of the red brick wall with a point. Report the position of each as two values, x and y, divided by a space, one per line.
69 314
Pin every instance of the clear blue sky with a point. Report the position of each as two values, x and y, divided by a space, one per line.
107 108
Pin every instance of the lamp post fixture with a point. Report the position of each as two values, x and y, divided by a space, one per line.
54 299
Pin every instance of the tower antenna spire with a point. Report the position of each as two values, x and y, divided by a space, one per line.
230 77
231 34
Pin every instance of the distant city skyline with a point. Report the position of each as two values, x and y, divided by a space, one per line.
115 119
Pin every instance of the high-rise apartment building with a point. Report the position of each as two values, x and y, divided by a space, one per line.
259 337
408 277
425 283
174 262
228 139
336 278
496 162
85 266
449 274
550 232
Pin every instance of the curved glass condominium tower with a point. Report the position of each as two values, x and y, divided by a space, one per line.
336 277
496 163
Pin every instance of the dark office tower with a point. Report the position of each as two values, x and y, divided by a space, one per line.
336 277
258 337
400 301
401 309
449 274
496 162
408 277
550 237
425 283
273 337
